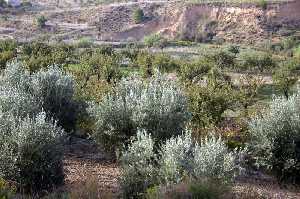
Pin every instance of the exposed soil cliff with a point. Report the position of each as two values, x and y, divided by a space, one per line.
173 19
196 22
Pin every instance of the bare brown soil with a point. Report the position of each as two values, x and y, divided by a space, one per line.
89 170
86 163
68 20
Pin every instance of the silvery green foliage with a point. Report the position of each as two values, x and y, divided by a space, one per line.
176 158
212 159
180 158
29 151
137 163
55 90
16 76
163 108
15 93
275 136
18 102
158 106
50 90
29 139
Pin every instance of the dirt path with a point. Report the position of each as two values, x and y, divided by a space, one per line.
86 164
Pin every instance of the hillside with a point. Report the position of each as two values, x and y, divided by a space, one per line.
113 22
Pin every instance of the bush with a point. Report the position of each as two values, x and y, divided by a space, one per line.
84 42
41 21
234 49
213 160
105 67
39 55
145 61
7 51
30 153
223 59
8 45
195 70
176 159
284 78
196 190
6 190
164 63
179 159
158 107
5 57
275 138
137 161
297 52
138 15
256 61
207 104
263 4
55 89
153 40
51 90
209 189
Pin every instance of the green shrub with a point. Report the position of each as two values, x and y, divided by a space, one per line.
138 15
284 78
297 52
39 55
56 90
158 106
153 40
144 60
275 138
35 63
223 59
106 50
105 67
179 159
5 57
207 104
208 189
7 51
234 49
263 4
8 45
195 70
51 90
149 63
7 191
137 161
164 63
289 43
256 61
41 21
30 152
84 42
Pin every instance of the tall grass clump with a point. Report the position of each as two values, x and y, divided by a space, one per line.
158 106
275 138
